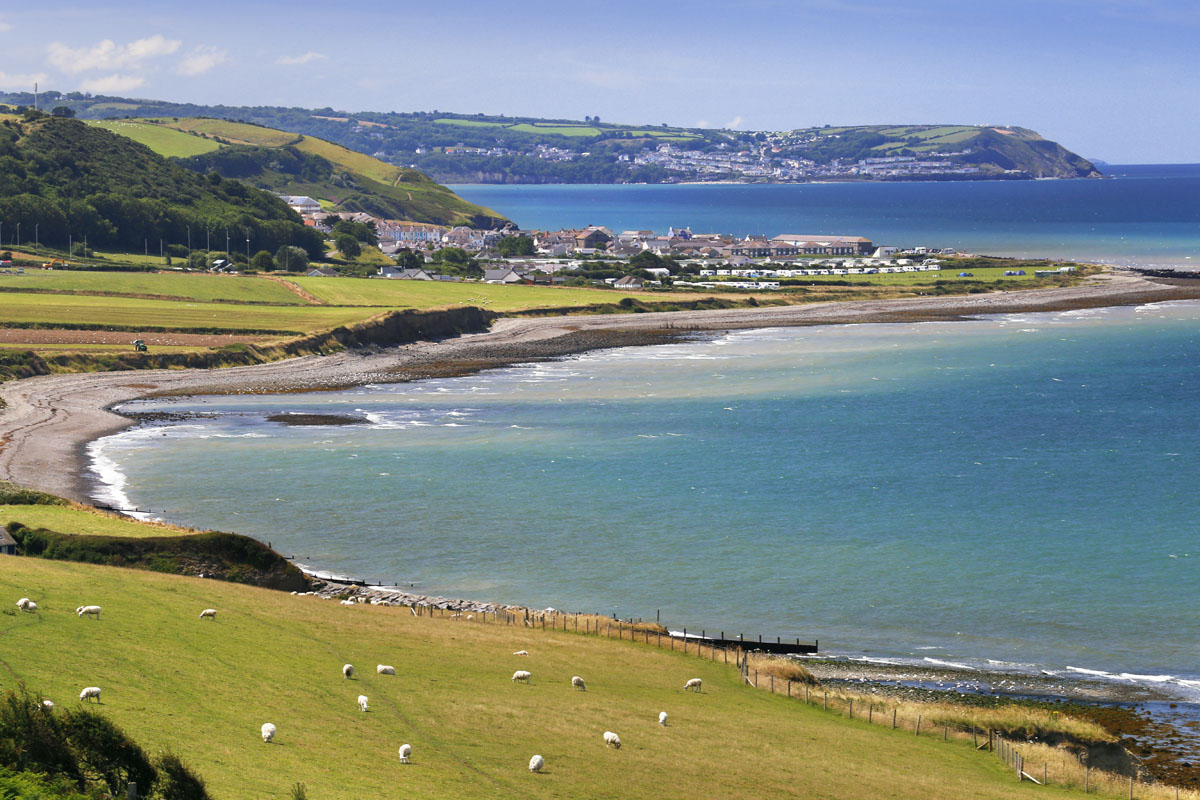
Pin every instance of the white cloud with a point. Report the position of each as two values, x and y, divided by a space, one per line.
11 82
114 83
295 61
107 54
734 123
202 58
5 26
703 123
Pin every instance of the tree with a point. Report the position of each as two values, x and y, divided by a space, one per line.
348 246
62 111
292 259
407 259
516 246
262 261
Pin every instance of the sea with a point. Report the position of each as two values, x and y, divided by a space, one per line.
1012 492
1147 215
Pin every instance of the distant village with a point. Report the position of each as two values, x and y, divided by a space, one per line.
749 163
704 260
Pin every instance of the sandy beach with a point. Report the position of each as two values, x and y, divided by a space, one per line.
47 421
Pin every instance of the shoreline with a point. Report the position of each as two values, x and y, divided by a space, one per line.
48 421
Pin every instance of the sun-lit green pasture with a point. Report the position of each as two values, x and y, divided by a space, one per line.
203 688
439 294
69 519
562 130
471 123
139 314
165 141
237 132
243 289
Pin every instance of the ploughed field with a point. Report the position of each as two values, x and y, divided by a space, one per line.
203 688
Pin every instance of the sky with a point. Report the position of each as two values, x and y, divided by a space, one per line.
1116 80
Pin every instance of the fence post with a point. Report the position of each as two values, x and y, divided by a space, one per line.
945 733
852 708
755 679
870 712
918 725
131 791
827 701
1130 787
1087 778
893 719
1046 774
806 695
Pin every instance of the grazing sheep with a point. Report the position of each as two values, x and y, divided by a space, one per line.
208 613
662 718
577 683
521 653
48 705
405 752
612 740
25 604
536 764
521 675
88 611
694 683
268 731
90 692
384 669
348 602
348 670
362 702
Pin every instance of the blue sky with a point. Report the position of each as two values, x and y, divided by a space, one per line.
1116 80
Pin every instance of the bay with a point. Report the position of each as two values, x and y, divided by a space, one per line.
1143 215
1015 489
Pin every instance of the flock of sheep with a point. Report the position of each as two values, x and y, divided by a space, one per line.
536 764
90 693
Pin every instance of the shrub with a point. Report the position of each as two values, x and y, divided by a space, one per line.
176 781
105 754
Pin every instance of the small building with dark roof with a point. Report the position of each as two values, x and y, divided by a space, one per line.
8 545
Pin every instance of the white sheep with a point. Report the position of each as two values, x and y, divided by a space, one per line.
384 669
521 675
25 604
348 670
208 613
694 683
268 731
577 683
348 602
405 752
521 653
88 611
89 692
536 764
612 740
362 702
48 705
662 718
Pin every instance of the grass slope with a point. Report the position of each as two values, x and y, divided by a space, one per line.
164 141
357 181
205 288
204 688
85 521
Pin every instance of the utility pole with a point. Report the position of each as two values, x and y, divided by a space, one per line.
18 234
228 257
35 96
247 247
189 264
36 241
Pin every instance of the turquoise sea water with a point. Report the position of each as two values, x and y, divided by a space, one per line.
1017 489
1148 215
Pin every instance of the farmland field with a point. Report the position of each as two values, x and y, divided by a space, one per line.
137 314
68 519
159 138
193 287
204 688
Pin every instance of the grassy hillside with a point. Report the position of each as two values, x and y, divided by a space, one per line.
65 181
204 688
288 163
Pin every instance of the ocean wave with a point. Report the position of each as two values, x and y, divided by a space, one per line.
950 664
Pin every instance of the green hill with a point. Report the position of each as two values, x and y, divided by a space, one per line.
203 688
479 148
288 163
64 180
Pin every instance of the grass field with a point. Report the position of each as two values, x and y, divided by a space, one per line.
71 519
471 123
159 138
236 132
562 130
439 294
194 287
203 689
361 163
48 309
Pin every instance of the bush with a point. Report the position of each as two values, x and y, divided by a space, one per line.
11 494
348 246
105 754
292 259
177 251
262 261
176 781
